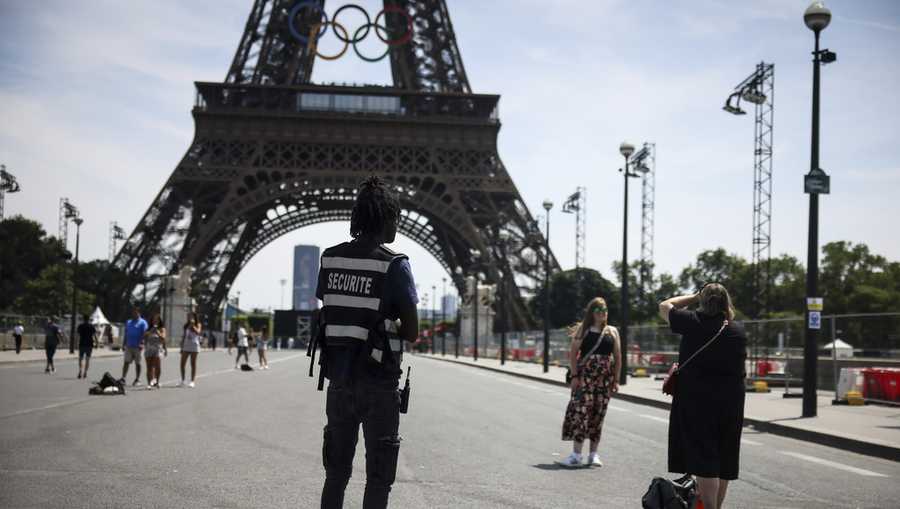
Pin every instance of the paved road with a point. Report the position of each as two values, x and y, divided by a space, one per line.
473 439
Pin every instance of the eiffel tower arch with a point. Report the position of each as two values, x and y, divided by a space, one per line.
274 152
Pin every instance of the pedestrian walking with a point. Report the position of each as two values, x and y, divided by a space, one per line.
211 340
18 332
190 347
87 340
262 345
365 287
242 342
134 344
707 411
53 335
154 349
595 358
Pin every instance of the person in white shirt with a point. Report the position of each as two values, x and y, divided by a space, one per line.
262 345
18 332
242 343
190 347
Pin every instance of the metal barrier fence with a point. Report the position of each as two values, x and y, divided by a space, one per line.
775 346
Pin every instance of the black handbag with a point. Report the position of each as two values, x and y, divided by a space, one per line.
678 493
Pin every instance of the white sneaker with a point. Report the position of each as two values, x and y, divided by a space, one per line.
191 385
180 384
572 460
594 460
152 383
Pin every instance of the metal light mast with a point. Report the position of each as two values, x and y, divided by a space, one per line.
115 233
8 184
759 90
645 164
66 211
576 204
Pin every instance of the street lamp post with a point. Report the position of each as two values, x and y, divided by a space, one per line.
444 317
433 321
283 282
816 17
547 206
475 319
626 149
77 222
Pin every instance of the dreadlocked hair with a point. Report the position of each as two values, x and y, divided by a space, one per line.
376 206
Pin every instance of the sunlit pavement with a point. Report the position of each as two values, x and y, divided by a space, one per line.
472 439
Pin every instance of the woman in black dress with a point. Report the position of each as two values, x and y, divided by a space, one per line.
708 406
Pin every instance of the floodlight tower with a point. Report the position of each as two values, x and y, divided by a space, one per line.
759 90
115 233
8 184
644 162
66 211
576 204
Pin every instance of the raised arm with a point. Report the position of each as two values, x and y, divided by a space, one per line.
675 303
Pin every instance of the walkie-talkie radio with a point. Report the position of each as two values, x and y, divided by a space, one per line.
404 394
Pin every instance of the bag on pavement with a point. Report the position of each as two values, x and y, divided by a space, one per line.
108 385
246 367
678 493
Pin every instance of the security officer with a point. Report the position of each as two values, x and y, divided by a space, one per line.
365 288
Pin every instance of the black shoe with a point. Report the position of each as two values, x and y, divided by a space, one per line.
79 375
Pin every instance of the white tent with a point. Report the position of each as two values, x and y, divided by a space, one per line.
98 318
842 349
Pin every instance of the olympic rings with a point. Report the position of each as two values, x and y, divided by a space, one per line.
360 55
364 13
293 14
319 28
334 26
409 26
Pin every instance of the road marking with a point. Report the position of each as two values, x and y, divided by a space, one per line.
620 409
833 464
749 442
655 418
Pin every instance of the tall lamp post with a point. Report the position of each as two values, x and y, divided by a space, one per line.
77 222
547 206
626 149
816 182
444 317
433 321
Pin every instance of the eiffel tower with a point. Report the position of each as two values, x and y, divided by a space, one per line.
274 152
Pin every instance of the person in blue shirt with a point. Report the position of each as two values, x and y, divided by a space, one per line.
134 344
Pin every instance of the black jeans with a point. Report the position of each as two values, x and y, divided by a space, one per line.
51 351
18 343
375 405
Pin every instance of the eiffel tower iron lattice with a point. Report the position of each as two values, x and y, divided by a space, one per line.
274 152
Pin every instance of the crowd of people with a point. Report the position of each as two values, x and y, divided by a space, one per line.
149 341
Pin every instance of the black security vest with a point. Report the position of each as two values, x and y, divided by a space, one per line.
353 287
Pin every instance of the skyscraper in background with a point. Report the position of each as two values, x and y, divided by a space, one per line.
449 302
306 270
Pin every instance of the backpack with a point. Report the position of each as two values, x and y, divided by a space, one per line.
678 493
108 385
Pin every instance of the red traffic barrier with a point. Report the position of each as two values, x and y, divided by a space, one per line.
890 384
872 384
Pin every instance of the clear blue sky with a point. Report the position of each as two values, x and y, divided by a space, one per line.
95 102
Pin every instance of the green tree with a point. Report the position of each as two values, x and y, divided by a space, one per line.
788 279
853 280
50 293
570 291
732 271
25 251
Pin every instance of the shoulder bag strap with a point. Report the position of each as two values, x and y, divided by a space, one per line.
722 328
596 345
